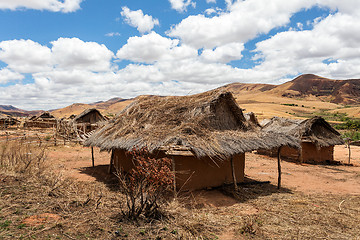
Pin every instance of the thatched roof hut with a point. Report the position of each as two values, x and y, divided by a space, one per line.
316 130
6 120
201 133
91 115
44 116
207 124
42 120
316 135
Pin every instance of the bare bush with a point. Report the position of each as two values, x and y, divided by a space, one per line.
22 157
146 185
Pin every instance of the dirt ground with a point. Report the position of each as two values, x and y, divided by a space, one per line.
75 161
315 202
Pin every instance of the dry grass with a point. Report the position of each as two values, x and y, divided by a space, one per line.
92 210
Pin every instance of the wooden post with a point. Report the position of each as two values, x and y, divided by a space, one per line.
111 161
233 173
55 134
92 157
279 168
349 151
173 169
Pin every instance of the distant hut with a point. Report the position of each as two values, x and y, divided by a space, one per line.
89 119
6 121
44 116
42 120
317 138
206 136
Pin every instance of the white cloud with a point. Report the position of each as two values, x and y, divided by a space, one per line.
152 47
223 54
143 23
25 56
112 34
335 38
210 11
243 21
210 1
181 5
7 75
73 53
50 5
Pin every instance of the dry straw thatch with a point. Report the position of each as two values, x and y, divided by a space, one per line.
315 130
91 115
43 116
207 124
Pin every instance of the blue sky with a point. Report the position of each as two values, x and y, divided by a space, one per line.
57 52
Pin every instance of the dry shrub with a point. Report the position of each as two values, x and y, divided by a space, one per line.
20 157
146 185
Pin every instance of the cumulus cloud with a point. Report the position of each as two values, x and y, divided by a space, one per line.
243 21
223 54
210 1
153 47
335 38
50 5
7 75
182 5
73 53
25 56
143 23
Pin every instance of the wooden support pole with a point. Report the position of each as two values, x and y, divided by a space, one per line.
92 157
349 151
173 169
279 168
111 161
233 173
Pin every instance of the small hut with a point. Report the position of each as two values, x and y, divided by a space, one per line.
42 120
89 119
6 121
206 136
317 138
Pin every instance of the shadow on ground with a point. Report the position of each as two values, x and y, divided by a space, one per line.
252 189
226 196
100 173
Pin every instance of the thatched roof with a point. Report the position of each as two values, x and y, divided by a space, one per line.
91 115
43 116
315 130
8 119
207 124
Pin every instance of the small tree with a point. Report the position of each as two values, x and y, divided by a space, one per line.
146 185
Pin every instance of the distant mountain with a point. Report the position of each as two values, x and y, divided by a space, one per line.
16 112
345 92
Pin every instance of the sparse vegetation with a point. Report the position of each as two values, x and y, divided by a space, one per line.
92 210
146 185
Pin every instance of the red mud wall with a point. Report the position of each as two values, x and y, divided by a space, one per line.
193 173
310 153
